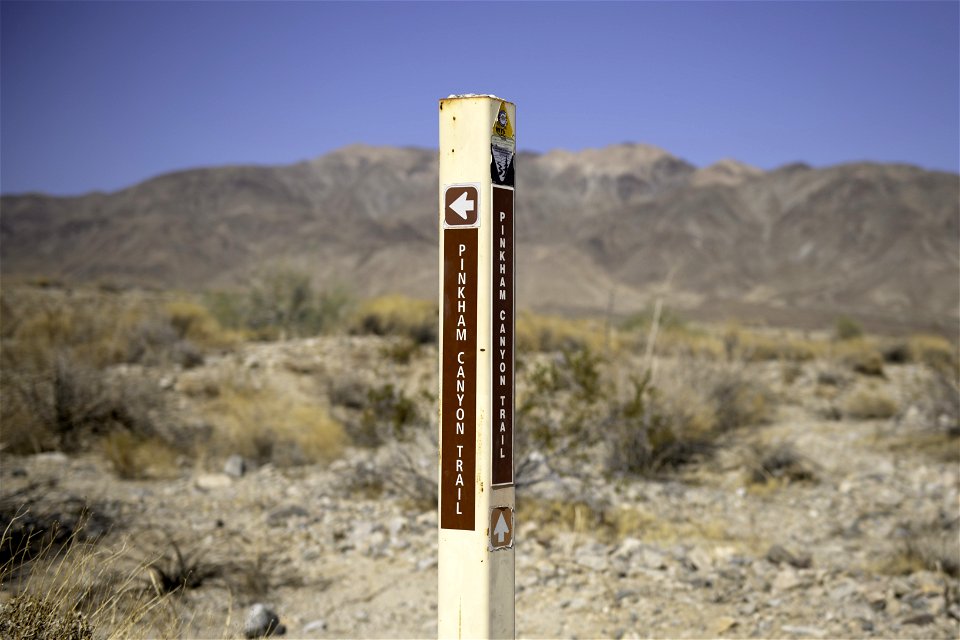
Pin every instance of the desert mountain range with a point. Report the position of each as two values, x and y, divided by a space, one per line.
613 228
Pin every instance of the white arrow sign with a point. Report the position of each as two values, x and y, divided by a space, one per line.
462 206
501 529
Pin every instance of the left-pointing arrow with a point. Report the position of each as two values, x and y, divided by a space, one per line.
462 205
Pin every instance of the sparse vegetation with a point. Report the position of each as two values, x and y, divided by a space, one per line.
264 426
281 303
869 403
846 328
396 315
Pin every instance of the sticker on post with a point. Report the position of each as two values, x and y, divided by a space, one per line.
503 146
501 528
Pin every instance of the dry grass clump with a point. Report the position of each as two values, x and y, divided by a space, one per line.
536 333
683 341
869 403
612 523
397 315
936 352
265 425
134 456
778 465
860 354
80 591
194 322
755 346
28 616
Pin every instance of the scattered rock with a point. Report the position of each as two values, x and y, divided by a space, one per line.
809 632
721 625
280 515
212 481
316 625
235 466
786 579
262 622
921 620
652 559
779 555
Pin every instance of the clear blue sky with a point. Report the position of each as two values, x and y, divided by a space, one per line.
103 95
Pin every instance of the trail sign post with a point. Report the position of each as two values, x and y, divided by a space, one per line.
477 524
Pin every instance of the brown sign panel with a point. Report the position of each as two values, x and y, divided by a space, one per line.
502 389
461 206
458 396
501 527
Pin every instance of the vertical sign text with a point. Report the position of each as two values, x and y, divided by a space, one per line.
502 342
458 428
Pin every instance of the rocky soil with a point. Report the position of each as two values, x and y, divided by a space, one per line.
843 550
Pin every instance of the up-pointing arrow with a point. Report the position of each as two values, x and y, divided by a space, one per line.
461 205
501 529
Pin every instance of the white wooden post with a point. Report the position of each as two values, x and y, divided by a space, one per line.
476 485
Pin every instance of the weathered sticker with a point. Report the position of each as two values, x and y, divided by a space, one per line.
503 146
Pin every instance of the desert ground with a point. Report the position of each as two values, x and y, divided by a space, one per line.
163 473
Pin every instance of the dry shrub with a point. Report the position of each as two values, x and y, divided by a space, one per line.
740 400
846 328
928 546
861 355
279 303
28 616
544 333
194 322
683 341
869 403
397 315
936 352
80 591
70 404
134 456
678 419
613 523
388 414
778 465
757 347
266 426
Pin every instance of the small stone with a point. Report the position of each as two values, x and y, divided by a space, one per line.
652 559
721 625
698 559
623 594
316 625
779 555
235 466
212 481
954 611
786 579
810 632
921 620
426 563
262 622
280 515
877 600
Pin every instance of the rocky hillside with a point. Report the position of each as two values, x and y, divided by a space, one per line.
621 225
